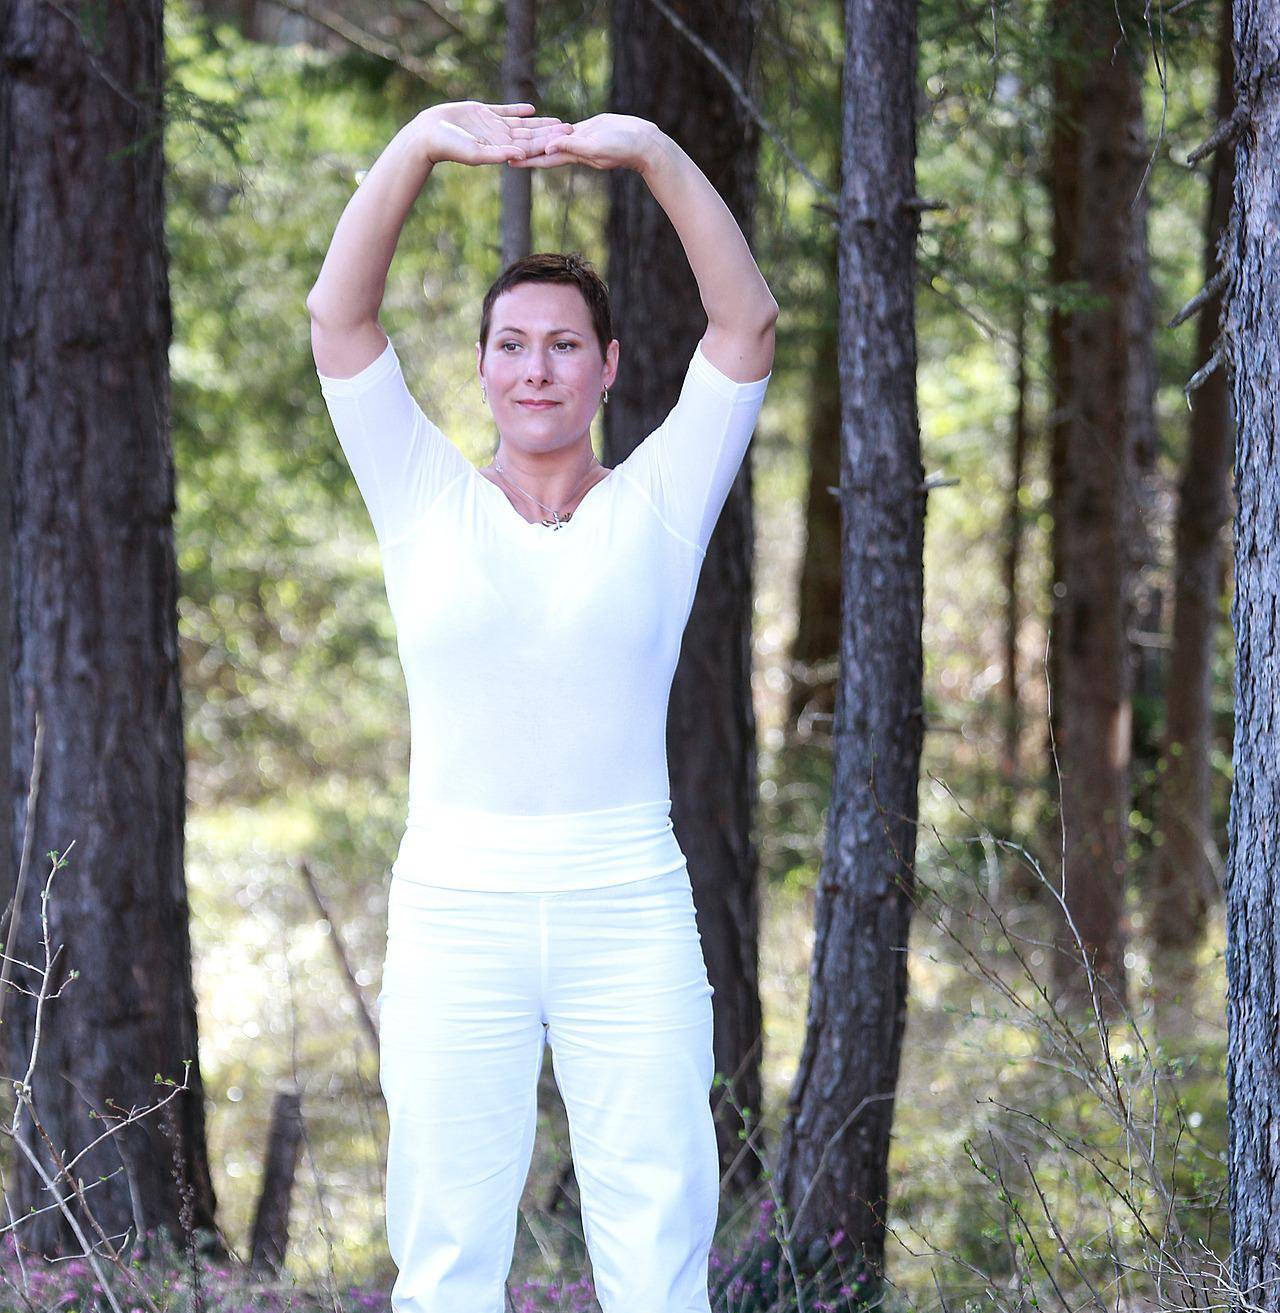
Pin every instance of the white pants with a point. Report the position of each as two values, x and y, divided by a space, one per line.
475 981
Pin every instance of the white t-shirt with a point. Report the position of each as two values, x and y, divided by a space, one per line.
539 661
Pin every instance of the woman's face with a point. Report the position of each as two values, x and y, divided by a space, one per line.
542 347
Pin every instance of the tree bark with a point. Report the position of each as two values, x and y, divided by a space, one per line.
1185 875
1101 418
1251 326
95 619
9 872
658 73
835 1144
518 84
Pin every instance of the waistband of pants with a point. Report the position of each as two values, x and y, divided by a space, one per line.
461 848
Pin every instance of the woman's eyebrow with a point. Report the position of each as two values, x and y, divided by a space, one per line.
509 329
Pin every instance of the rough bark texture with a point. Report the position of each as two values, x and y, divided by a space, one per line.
841 1103
660 75
817 640
1252 327
9 870
1100 424
95 626
1185 876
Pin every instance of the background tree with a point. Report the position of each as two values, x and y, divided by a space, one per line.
835 1147
1102 405
663 71
518 85
95 613
1251 327
817 635
1185 866
8 871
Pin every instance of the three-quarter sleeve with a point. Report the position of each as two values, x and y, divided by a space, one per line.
688 463
399 458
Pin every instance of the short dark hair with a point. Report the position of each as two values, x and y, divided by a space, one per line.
553 267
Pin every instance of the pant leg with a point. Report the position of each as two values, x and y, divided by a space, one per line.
629 1016
461 1048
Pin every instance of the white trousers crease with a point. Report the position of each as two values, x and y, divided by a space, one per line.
614 979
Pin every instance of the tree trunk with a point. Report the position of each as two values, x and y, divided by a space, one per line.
1062 182
817 640
1252 329
1095 520
270 1239
9 870
1014 521
1186 865
658 73
95 619
835 1144
518 84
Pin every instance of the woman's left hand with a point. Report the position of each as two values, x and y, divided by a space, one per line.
604 141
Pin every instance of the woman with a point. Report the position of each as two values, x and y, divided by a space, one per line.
539 894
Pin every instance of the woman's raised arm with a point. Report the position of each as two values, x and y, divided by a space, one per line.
740 308
346 298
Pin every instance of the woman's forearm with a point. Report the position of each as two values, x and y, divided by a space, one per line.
733 290
353 277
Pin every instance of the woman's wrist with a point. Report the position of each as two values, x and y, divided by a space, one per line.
656 151
416 136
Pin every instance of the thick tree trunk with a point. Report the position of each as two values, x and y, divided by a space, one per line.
1186 865
835 1145
518 85
8 866
662 76
1099 423
95 624
1252 328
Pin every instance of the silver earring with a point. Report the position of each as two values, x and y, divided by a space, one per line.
484 396
606 396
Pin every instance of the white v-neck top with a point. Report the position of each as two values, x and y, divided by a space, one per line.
539 661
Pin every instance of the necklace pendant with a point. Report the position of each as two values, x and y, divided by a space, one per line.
557 521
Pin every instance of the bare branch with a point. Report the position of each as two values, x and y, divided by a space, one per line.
1206 293
1224 134
1203 373
344 961
357 36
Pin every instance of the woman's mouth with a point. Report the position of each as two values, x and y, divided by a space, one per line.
538 405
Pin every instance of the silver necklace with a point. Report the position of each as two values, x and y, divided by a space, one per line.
557 520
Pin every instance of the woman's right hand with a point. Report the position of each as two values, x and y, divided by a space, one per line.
471 132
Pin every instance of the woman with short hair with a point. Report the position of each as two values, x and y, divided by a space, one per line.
539 894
